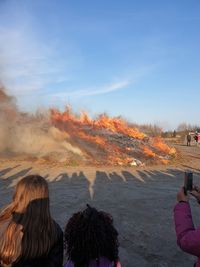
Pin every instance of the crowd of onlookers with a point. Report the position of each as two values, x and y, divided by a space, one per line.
195 136
29 236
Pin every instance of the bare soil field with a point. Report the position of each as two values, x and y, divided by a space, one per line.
141 201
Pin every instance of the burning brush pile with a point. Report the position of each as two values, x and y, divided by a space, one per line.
75 140
110 141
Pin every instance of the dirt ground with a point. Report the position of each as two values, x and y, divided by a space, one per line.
141 201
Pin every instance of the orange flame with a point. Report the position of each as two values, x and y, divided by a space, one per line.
164 161
148 152
114 150
160 145
118 125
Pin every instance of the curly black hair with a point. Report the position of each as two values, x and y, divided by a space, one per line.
89 235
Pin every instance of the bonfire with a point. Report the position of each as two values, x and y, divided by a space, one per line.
110 141
76 139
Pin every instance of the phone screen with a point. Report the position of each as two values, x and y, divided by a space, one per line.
188 182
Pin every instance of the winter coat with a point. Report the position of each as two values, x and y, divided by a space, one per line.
189 138
103 262
188 238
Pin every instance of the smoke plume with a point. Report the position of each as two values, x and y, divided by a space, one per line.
31 135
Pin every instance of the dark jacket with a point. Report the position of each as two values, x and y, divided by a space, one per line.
53 259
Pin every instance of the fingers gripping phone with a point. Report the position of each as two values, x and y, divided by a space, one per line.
188 182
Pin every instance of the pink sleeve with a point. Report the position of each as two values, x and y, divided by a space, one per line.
118 264
188 238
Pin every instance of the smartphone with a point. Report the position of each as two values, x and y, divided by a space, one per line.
188 182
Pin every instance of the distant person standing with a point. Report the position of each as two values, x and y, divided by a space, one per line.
188 139
196 138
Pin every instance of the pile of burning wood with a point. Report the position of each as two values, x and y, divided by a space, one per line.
110 141
65 137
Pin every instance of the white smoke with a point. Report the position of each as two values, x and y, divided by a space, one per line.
31 135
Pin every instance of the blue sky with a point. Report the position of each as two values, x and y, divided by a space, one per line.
138 59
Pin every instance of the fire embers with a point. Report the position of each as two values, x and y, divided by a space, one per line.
110 141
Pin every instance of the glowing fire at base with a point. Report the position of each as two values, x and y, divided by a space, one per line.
110 140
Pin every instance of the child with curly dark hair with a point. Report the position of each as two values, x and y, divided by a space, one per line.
91 240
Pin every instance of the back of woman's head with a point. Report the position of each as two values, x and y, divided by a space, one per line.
32 187
30 230
90 235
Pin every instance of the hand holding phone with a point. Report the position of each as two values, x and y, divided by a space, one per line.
181 196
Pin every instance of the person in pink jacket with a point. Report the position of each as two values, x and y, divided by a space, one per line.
188 237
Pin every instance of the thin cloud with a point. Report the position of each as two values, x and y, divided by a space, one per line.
131 78
94 91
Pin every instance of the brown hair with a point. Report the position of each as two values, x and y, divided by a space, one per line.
29 231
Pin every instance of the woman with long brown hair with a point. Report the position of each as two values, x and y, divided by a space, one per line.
28 234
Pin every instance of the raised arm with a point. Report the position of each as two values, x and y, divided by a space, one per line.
188 238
